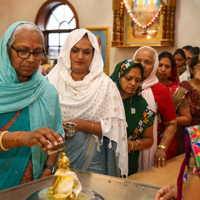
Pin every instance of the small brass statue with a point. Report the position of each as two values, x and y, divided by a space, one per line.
66 184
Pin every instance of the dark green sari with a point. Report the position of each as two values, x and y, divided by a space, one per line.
138 114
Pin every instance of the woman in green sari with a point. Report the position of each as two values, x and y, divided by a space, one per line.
128 77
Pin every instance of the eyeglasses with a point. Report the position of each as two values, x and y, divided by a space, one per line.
38 55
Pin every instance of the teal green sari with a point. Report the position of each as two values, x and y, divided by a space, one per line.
13 163
38 99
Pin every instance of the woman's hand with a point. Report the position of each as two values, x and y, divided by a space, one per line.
132 145
160 158
77 122
42 137
85 126
168 192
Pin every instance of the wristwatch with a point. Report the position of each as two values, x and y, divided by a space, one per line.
49 167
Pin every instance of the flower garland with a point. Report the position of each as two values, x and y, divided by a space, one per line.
138 23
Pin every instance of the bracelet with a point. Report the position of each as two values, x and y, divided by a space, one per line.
131 145
1 145
138 141
17 137
162 147
92 127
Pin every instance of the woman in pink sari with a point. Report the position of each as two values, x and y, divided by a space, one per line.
167 74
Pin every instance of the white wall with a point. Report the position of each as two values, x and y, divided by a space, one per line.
99 13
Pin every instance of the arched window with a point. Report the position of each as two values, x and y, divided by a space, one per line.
56 19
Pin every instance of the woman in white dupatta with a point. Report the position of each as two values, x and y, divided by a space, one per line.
160 101
90 99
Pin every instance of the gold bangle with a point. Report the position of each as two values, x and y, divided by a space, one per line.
138 141
162 147
133 144
92 127
1 145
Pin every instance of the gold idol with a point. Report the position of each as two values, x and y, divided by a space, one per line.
66 184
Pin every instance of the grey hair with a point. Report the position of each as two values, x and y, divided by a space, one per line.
152 50
19 29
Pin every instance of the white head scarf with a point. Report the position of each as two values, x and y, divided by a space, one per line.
146 158
95 98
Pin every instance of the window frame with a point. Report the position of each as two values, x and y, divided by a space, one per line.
43 17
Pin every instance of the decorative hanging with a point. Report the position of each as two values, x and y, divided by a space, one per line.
144 27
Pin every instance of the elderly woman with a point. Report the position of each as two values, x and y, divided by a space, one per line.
167 74
92 101
159 100
128 77
29 123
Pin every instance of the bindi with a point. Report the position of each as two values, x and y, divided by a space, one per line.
32 45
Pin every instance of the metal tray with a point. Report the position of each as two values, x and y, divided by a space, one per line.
110 188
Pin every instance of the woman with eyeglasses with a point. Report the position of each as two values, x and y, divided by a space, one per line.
30 123
193 87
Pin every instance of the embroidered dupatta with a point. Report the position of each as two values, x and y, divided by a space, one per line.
138 114
192 146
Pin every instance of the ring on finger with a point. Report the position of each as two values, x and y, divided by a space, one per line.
159 158
163 159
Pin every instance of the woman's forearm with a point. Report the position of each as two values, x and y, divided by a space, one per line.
147 140
51 159
185 117
183 121
39 137
145 143
91 127
169 132
87 126
8 140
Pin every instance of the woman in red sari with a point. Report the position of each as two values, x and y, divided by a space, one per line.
167 74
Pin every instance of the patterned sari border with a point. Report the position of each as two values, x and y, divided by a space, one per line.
194 135
9 124
178 96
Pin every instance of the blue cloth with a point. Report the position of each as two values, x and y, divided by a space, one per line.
13 163
37 94
87 158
